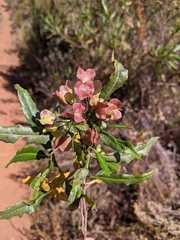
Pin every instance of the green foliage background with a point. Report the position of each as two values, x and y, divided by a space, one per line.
56 36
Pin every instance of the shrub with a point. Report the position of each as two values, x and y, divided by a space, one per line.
55 35
82 128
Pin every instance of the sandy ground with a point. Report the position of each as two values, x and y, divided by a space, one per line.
11 191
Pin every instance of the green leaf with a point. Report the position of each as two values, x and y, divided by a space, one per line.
20 208
36 194
35 184
114 167
112 157
81 173
28 105
26 154
13 133
100 172
130 148
51 164
110 141
118 144
142 150
75 193
118 126
116 80
91 202
126 179
103 164
82 127
39 179
125 149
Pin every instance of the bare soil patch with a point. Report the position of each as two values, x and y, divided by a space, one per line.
11 191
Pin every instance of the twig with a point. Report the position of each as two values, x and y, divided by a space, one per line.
56 164
84 213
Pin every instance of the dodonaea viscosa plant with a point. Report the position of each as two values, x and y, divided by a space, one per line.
79 123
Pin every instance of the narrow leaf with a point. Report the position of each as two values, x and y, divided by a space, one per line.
39 179
112 157
26 154
118 126
116 80
75 193
103 164
81 174
28 105
91 202
36 194
82 127
126 179
13 133
35 184
130 147
114 167
20 208
51 164
142 149
110 141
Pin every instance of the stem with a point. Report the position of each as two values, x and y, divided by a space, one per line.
56 164
84 213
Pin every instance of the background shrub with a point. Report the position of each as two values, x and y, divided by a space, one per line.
56 36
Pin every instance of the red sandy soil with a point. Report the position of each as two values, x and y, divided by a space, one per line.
11 191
